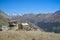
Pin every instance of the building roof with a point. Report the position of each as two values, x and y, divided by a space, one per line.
24 23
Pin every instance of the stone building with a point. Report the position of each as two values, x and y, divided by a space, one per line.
12 25
24 27
4 28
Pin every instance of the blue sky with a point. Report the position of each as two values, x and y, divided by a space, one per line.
29 6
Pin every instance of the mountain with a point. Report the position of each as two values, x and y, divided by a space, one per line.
49 22
4 18
53 17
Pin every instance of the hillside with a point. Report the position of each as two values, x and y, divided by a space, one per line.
4 18
28 35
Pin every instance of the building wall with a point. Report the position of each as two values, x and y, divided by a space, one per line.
4 28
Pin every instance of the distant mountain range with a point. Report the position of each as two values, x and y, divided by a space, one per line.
48 22
53 17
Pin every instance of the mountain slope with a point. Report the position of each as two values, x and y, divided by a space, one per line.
4 18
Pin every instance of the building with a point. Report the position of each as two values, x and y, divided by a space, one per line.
24 26
12 25
3 28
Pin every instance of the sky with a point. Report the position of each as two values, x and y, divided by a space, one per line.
29 6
